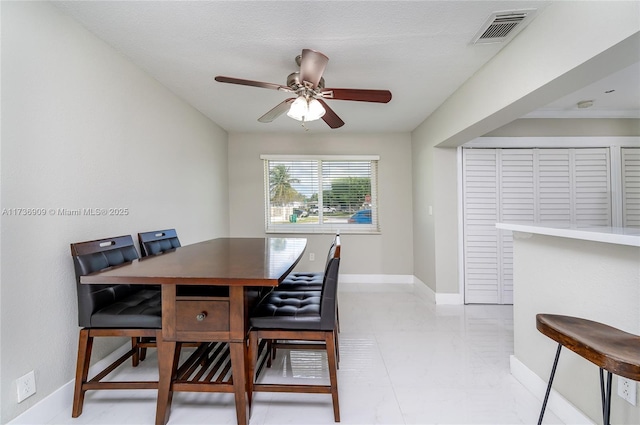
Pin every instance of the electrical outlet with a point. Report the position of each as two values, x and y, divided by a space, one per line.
627 389
26 386
312 256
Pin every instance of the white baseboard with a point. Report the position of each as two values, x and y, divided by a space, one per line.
436 298
61 399
560 406
423 290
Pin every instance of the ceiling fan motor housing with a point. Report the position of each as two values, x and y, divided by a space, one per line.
293 81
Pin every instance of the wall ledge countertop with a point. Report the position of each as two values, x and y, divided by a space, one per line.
614 235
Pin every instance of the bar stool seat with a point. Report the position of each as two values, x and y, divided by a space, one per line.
609 348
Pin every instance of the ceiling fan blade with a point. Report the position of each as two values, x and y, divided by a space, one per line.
331 118
252 83
312 65
280 109
359 95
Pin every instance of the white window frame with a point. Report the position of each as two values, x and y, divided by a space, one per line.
322 227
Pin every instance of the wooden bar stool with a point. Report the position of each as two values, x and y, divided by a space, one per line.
610 349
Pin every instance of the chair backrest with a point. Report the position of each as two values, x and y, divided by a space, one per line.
329 297
93 256
157 242
334 251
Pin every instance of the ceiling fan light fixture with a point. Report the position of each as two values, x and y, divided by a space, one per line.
303 110
316 110
298 109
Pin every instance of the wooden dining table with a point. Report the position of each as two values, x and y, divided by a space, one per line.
208 289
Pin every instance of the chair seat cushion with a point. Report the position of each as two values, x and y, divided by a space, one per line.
288 310
141 309
301 281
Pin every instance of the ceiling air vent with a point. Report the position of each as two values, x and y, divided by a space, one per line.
503 26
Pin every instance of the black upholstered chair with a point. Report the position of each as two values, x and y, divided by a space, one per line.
310 281
304 317
158 242
305 282
123 310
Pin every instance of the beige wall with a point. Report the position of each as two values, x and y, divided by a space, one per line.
386 253
548 127
594 280
84 128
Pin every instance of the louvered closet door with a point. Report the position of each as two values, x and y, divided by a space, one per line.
631 187
481 246
554 186
498 187
574 186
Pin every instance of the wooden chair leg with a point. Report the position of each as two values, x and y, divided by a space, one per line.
333 372
143 350
135 359
272 351
253 360
85 345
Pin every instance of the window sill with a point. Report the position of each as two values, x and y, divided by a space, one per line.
342 231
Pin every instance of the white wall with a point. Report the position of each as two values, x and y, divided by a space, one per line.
594 280
387 253
550 58
84 128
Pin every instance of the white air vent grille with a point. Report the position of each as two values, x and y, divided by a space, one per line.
502 26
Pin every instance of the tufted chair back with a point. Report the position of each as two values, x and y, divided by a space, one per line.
93 256
157 242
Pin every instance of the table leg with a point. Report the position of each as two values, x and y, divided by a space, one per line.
166 367
238 365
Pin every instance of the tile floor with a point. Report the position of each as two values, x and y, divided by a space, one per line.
404 360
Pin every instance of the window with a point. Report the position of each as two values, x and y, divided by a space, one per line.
321 194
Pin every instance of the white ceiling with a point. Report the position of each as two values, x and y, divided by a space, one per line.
420 50
615 96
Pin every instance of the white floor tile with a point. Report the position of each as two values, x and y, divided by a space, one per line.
403 360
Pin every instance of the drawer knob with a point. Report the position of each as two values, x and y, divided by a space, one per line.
200 316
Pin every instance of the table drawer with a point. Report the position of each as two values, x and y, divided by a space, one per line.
202 316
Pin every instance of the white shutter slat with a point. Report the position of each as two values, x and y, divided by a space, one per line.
592 187
554 185
631 187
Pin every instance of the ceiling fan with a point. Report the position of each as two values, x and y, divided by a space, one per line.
308 86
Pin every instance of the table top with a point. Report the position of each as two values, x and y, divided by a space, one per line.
223 261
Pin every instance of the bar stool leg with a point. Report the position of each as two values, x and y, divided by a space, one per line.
553 372
605 392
